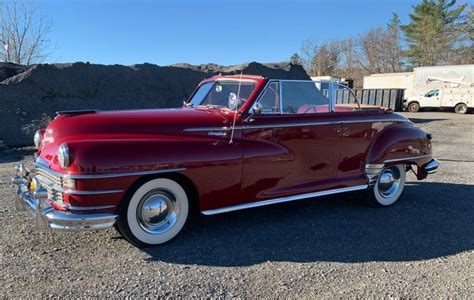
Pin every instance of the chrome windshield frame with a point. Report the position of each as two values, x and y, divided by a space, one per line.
223 79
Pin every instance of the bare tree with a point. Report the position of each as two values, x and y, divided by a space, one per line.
24 33
326 59
351 57
380 51
320 59
308 49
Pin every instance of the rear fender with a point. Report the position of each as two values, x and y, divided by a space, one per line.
400 144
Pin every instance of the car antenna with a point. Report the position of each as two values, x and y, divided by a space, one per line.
235 110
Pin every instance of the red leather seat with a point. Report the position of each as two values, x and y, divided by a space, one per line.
311 109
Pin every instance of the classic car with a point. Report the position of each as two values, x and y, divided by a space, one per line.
240 141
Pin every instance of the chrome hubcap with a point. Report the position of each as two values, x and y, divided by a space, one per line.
389 182
157 211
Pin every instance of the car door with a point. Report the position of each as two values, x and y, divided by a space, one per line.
292 145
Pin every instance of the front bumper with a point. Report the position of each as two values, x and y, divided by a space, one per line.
46 217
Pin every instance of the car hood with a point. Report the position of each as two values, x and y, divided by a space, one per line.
130 124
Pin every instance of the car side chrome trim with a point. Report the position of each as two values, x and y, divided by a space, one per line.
283 125
291 125
283 199
40 163
406 158
87 208
375 120
125 174
100 192
210 128
286 125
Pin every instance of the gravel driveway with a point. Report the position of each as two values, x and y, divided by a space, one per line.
334 246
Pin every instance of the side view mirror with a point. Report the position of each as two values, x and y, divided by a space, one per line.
257 109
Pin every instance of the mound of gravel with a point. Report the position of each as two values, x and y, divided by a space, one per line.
30 96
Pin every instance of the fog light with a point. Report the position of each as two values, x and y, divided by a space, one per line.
34 185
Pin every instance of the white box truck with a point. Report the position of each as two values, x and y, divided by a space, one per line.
431 87
450 90
454 94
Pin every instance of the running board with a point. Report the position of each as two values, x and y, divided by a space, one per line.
283 199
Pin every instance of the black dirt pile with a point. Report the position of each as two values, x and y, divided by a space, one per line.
29 97
8 70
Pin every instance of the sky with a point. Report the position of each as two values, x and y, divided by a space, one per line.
207 31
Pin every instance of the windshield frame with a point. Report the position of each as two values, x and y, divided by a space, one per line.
255 92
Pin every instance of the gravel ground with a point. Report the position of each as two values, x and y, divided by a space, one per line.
420 247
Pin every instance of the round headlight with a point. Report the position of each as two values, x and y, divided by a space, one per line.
63 156
37 139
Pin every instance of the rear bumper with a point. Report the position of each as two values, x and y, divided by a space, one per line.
431 167
46 217
372 171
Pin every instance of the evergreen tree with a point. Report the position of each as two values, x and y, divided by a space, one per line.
394 50
433 32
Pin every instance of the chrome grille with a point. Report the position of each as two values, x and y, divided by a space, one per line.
52 183
48 177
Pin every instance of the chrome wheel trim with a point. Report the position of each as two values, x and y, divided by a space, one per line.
158 211
152 235
388 183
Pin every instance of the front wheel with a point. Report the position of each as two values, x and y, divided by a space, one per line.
154 214
389 186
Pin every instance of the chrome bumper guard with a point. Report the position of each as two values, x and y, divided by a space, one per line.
431 167
46 217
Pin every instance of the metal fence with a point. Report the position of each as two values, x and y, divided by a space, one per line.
389 98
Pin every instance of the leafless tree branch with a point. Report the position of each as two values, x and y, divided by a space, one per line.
24 33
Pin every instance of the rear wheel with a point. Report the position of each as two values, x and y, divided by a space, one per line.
155 213
389 186
414 107
460 108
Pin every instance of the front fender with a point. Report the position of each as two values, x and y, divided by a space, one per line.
212 164
116 156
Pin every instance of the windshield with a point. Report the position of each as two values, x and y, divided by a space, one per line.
223 93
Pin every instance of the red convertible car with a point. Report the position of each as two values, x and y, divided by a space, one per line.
240 141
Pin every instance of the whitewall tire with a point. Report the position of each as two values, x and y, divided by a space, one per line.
155 213
389 186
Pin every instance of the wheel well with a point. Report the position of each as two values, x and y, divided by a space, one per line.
413 101
183 180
